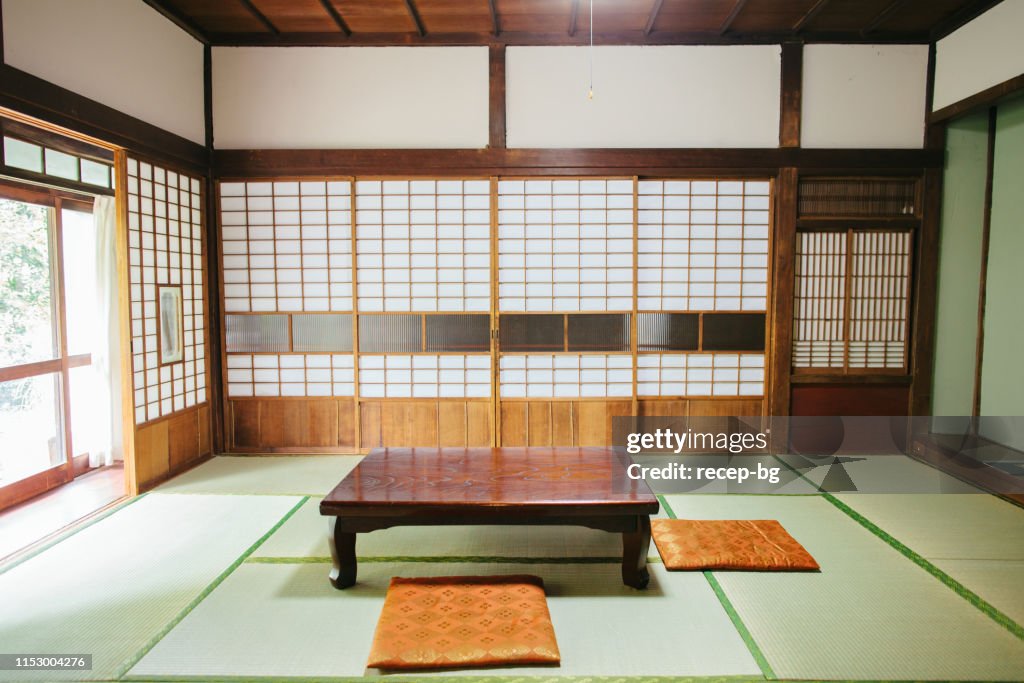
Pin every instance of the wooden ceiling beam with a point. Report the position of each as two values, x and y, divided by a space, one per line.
635 37
809 16
414 13
179 19
882 16
574 15
260 16
736 9
495 19
256 163
653 16
336 16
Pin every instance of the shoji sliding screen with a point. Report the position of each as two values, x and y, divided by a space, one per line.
854 251
286 249
470 311
702 291
423 268
167 289
565 306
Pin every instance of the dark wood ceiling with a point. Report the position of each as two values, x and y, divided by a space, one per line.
554 22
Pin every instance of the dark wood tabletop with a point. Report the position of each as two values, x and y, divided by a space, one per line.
444 486
533 478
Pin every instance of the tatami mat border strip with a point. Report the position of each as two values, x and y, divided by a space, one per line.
8 566
427 678
236 493
960 589
737 622
134 659
450 559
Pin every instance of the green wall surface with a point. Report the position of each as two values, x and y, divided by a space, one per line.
963 204
1002 370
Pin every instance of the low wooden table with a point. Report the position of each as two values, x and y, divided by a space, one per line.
444 486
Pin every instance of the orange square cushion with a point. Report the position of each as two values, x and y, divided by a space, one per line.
454 621
760 545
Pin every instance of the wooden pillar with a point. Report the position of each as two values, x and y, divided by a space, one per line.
497 97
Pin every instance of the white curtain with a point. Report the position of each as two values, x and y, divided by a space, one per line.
107 441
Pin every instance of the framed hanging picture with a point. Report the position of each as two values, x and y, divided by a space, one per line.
172 346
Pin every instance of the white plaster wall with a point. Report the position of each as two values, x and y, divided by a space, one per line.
121 53
869 96
363 97
980 54
662 96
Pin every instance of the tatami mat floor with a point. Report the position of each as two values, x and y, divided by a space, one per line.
220 575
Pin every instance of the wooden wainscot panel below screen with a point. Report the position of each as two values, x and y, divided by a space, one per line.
169 446
823 400
560 423
433 423
292 424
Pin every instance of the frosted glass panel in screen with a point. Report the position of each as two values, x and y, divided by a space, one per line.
703 245
423 245
565 245
287 245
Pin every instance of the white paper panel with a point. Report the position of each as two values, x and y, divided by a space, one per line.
165 247
294 374
425 376
287 245
700 374
703 245
423 245
565 245
566 375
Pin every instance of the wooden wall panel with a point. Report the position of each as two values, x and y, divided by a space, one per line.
152 455
823 400
538 427
513 424
559 423
563 422
245 424
182 439
205 428
347 425
298 423
479 424
659 408
725 408
292 425
169 446
427 423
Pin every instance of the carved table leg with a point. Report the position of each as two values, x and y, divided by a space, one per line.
635 545
343 555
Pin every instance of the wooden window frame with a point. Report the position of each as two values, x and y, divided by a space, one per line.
56 200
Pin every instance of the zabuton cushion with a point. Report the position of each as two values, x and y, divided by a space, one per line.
757 545
463 621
